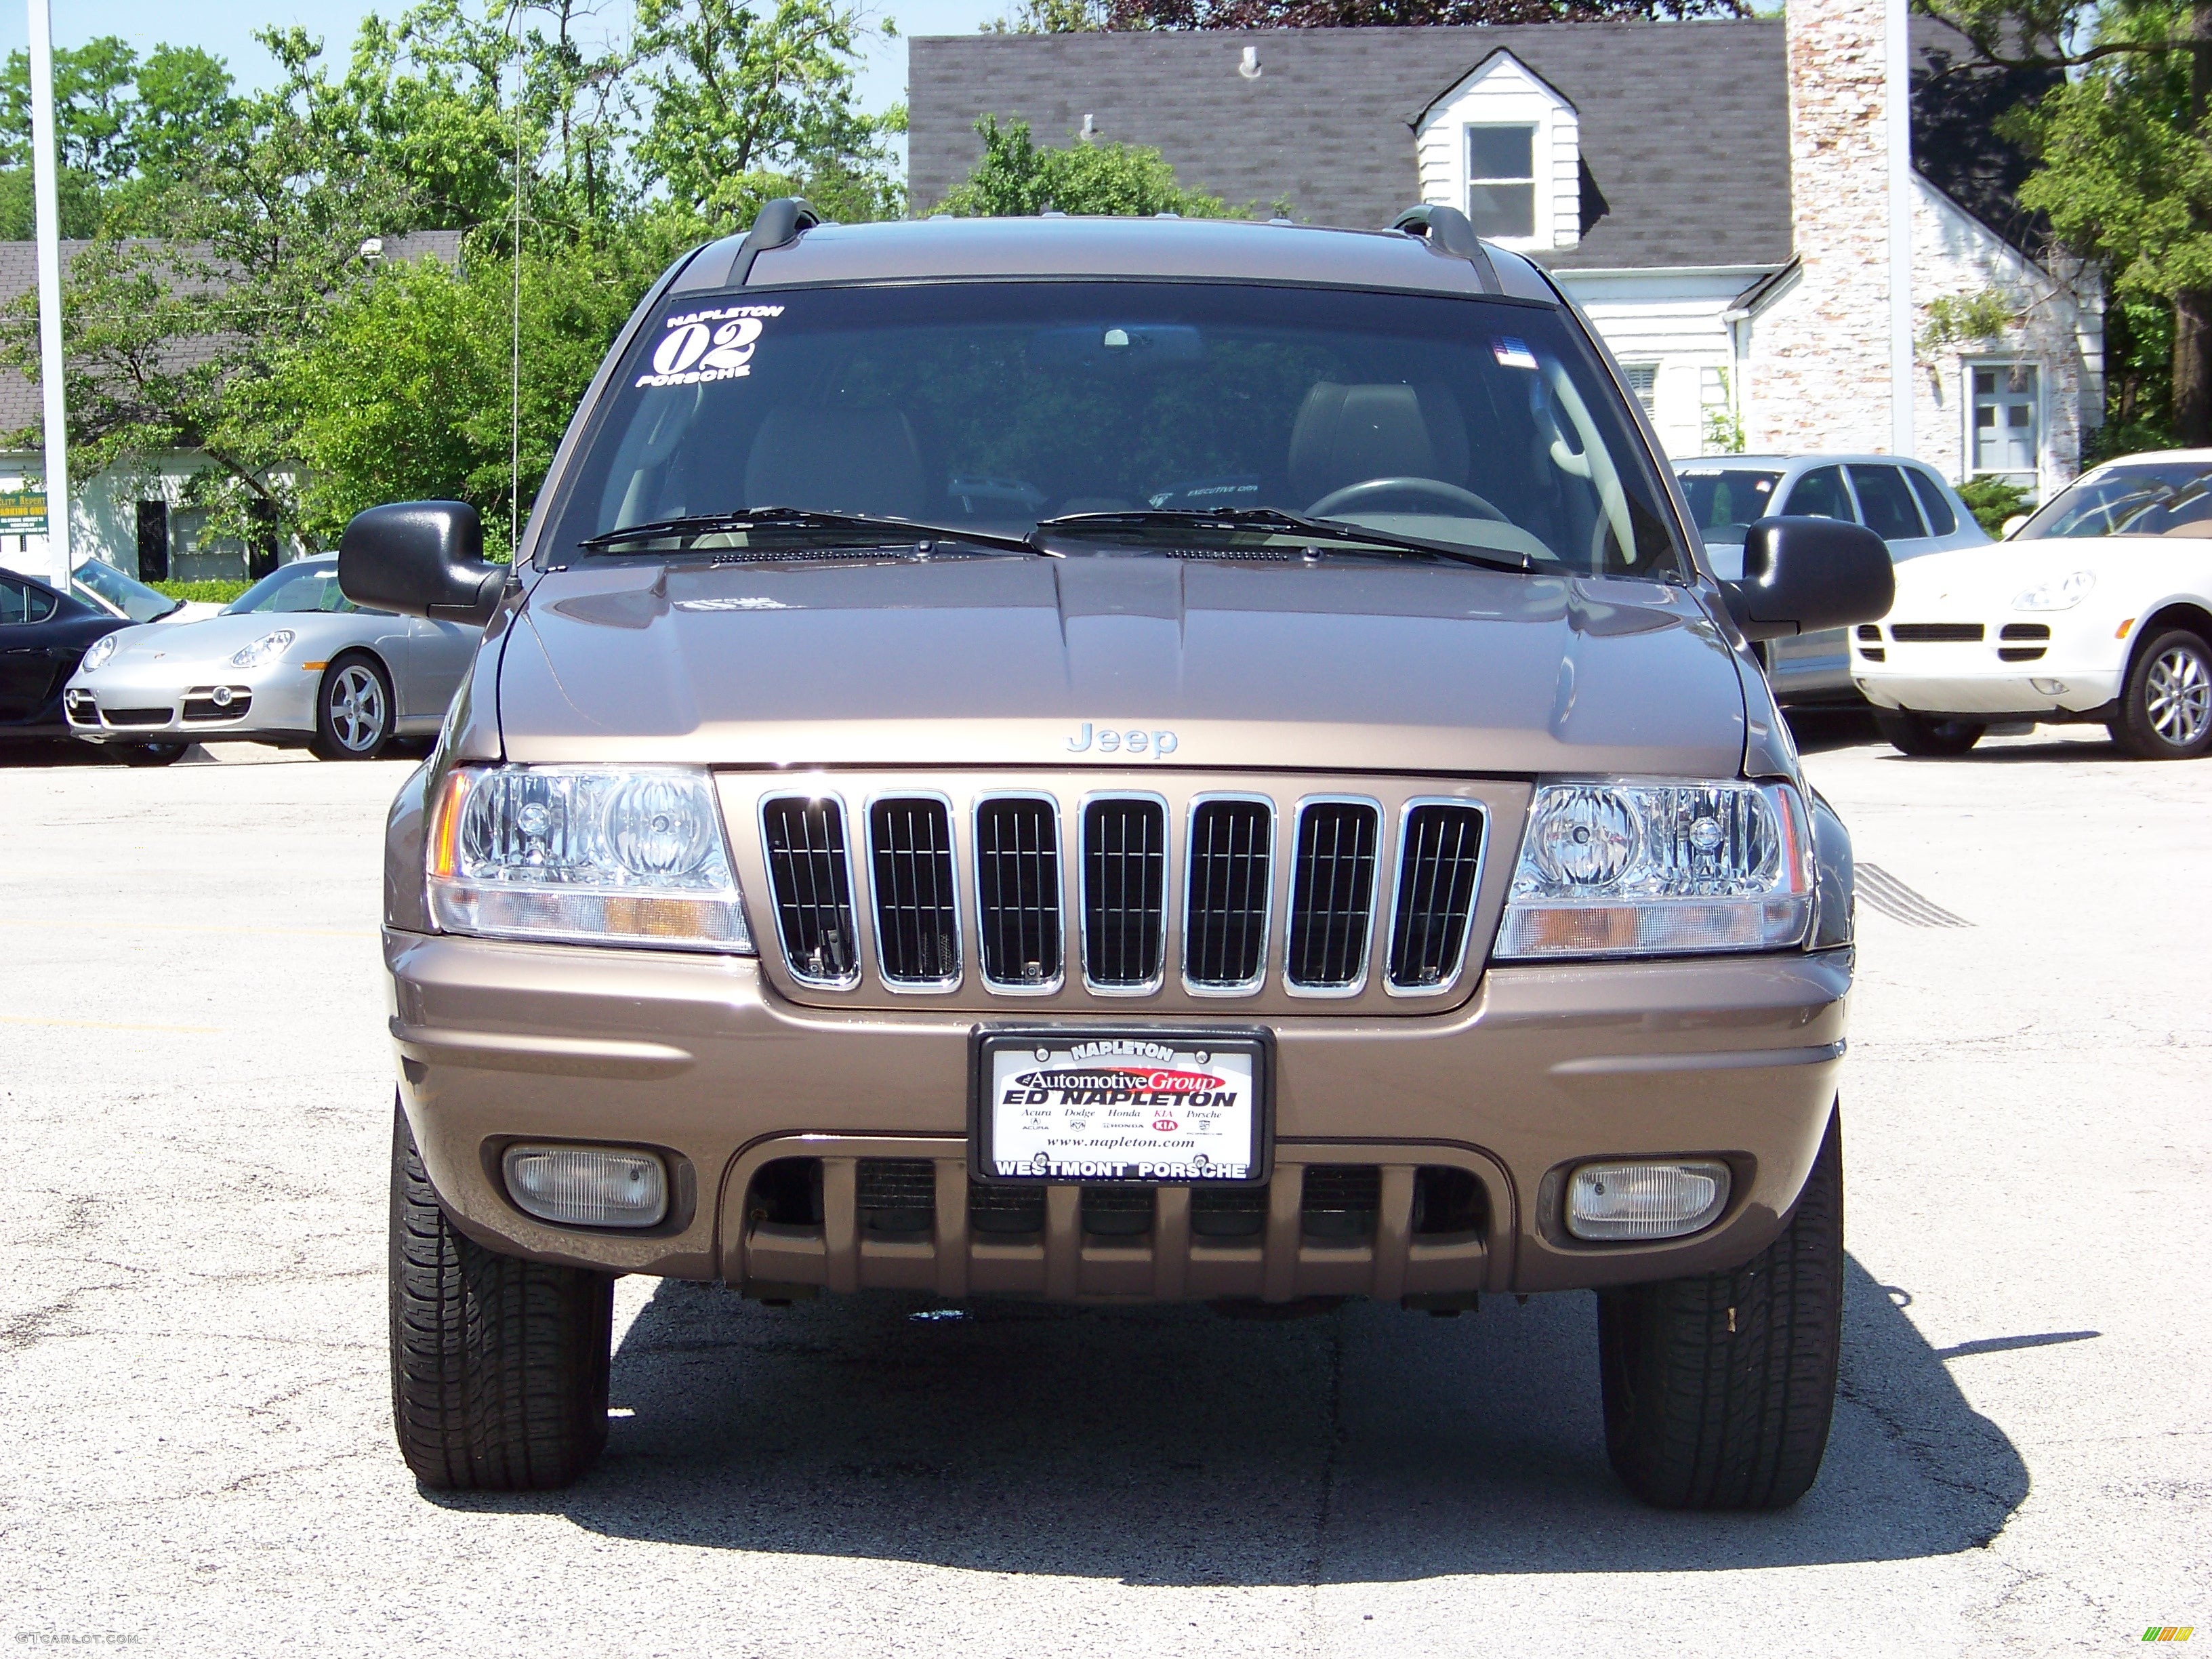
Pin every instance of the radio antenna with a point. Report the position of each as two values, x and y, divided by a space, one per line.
514 364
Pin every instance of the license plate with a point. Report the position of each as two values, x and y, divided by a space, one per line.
1180 1107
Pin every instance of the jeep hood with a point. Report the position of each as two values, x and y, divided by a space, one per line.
1335 665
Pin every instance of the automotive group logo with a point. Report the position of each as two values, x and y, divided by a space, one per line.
704 346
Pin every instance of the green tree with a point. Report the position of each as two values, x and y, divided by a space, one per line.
227 305
747 105
2124 153
1016 178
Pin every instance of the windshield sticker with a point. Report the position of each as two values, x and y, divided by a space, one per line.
1512 353
702 346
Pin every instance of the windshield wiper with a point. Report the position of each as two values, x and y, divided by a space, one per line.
1274 519
804 520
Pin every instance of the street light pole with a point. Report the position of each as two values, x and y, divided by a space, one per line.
46 196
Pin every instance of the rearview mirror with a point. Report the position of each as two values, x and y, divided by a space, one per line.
1800 575
421 559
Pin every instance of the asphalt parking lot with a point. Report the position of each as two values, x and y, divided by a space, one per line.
195 1105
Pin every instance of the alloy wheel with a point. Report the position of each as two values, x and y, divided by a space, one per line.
2178 696
357 712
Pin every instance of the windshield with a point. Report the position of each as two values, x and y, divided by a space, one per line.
133 598
1476 424
1725 502
2160 498
294 588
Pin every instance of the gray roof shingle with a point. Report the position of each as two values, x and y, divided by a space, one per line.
1685 125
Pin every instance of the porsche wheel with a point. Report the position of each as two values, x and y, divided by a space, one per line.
2165 708
353 710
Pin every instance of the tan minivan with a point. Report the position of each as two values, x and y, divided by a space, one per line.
1110 760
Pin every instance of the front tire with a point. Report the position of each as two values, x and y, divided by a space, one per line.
499 1366
353 709
1915 734
2166 708
1718 1390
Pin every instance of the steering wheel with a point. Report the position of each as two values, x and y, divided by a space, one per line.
1367 489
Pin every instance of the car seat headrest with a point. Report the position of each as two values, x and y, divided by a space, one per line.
837 460
1347 433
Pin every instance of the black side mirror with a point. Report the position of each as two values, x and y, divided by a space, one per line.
1800 575
421 559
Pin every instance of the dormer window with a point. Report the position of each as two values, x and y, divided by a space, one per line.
1502 143
1501 180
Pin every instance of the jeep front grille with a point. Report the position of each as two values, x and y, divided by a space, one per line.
1211 893
803 840
1438 864
1125 879
1332 896
1225 909
917 893
1017 892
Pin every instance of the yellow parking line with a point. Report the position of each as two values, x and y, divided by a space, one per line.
109 1025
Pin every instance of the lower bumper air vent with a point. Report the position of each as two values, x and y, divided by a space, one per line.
896 1194
1341 1200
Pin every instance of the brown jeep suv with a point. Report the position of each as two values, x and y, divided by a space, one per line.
1110 760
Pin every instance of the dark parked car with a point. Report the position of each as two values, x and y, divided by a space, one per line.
44 634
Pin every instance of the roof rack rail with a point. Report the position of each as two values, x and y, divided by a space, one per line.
1449 232
781 221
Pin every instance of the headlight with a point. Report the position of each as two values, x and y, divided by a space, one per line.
102 649
592 855
2061 595
1655 869
267 649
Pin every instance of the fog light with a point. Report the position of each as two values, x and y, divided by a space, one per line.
588 1186
2050 688
1645 1200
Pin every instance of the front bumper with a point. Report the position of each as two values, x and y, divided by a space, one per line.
1544 1067
133 703
2076 671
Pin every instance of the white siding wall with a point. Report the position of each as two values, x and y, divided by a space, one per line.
1501 92
104 519
1672 319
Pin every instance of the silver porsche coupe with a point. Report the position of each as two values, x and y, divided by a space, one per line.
290 662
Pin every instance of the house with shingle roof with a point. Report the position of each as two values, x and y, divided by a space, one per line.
133 515
1715 194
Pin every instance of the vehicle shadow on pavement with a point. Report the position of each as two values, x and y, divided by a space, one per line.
1174 1446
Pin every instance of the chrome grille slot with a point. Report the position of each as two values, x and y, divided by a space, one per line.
1439 864
1224 914
803 840
1124 867
916 893
1017 892
1332 896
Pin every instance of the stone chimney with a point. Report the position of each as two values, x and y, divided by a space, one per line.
1826 353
